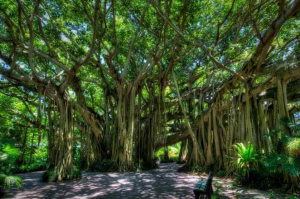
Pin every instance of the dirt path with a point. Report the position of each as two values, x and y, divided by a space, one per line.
164 182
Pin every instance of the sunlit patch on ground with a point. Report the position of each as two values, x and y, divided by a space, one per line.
164 182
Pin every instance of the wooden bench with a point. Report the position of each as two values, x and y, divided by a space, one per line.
204 187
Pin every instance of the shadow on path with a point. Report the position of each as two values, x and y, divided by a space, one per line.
164 182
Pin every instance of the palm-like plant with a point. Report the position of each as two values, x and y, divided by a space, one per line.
247 157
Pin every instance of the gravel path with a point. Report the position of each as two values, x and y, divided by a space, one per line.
164 182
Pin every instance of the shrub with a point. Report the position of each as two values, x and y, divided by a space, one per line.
37 166
264 175
247 161
247 157
221 173
50 176
270 173
286 158
293 146
260 179
8 157
75 175
8 181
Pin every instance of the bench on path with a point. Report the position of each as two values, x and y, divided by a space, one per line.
204 187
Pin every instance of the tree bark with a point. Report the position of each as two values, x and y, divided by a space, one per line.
61 138
122 149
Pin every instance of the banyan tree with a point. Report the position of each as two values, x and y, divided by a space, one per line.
123 79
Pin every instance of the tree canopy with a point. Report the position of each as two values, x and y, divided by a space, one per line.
119 80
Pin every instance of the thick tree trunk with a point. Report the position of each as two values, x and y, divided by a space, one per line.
183 152
61 141
147 134
122 149
90 151
249 127
64 161
209 154
282 103
217 143
266 141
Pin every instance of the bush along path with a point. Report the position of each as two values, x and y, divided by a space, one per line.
164 182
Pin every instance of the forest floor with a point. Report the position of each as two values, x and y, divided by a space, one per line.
164 182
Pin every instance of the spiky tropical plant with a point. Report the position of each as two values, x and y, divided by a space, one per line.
246 156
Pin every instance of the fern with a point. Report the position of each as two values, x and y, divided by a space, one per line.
247 157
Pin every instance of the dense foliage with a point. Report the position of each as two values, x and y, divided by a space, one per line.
112 85
267 170
8 156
